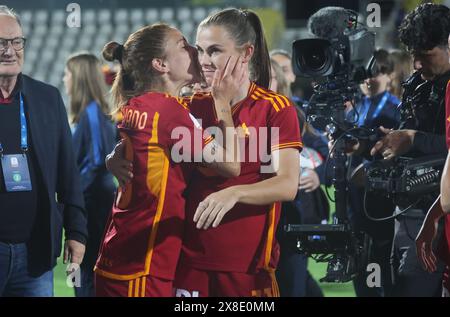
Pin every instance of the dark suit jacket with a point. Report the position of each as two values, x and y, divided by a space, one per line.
60 199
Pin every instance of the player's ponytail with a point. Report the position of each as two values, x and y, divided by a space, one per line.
261 58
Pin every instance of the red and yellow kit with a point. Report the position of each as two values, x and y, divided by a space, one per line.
447 111
245 239
143 235
446 242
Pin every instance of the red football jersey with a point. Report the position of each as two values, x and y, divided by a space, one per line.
245 239
143 236
447 217
447 111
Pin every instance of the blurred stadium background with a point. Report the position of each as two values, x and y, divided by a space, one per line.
50 41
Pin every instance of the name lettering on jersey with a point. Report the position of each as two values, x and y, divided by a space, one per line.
135 119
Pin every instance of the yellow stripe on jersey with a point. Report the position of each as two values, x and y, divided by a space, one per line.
155 160
182 103
154 138
130 288
286 145
276 289
136 290
208 140
159 210
270 237
272 101
144 280
119 277
282 100
157 174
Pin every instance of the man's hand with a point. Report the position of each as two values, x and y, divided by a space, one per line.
73 252
394 143
309 181
118 165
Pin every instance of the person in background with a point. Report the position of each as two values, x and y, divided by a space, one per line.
284 60
94 136
440 209
424 32
294 280
40 190
403 68
378 107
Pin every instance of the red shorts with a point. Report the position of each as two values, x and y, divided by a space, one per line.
144 286
190 282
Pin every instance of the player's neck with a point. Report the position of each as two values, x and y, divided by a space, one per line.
242 94
170 88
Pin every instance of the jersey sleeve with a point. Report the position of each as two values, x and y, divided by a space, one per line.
202 107
285 128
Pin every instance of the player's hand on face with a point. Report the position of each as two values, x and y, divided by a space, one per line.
214 207
227 82
118 166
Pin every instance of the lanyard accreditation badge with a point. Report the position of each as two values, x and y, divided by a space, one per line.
364 111
15 169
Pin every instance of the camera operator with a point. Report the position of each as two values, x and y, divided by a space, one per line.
377 107
424 32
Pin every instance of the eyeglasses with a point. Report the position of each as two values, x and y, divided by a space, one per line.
18 43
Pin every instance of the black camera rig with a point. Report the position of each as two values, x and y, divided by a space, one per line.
405 176
338 65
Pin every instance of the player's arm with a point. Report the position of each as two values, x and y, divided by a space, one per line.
426 236
226 83
281 187
445 186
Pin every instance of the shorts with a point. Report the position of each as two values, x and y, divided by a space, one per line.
190 282
144 286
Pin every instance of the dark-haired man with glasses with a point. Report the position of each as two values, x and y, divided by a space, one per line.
39 182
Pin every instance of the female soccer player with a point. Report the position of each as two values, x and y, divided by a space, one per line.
142 242
239 256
